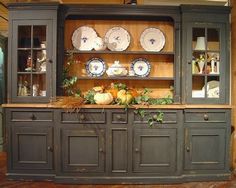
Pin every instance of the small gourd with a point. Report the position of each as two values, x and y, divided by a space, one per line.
103 98
124 97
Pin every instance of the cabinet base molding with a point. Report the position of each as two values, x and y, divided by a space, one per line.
31 176
119 180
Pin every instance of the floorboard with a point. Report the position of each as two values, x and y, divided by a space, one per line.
4 183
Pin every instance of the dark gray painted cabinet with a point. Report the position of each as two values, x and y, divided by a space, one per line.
32 53
32 147
30 142
115 145
83 150
205 145
155 150
206 55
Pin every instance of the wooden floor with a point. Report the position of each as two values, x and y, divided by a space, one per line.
4 183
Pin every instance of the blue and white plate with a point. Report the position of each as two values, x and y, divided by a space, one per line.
83 38
95 67
141 67
152 39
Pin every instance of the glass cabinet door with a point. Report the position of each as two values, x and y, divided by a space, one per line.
206 59
31 65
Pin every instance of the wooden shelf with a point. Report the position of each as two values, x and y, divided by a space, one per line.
119 52
31 72
209 75
126 78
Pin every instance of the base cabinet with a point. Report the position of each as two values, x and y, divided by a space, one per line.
207 134
205 148
154 150
32 147
83 150
104 146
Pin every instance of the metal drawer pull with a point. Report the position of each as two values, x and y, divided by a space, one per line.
82 117
136 150
50 149
100 150
119 117
188 149
206 118
49 60
33 117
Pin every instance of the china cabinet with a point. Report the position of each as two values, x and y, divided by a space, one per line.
205 55
180 53
32 53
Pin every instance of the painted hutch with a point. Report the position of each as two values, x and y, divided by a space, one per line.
109 144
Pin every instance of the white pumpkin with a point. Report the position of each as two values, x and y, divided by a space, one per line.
103 98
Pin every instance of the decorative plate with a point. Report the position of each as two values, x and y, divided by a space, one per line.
117 39
152 39
83 38
141 67
95 67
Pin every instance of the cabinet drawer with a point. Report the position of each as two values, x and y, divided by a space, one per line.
92 117
31 115
119 116
169 117
205 116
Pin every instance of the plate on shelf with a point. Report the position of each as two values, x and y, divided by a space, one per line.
83 38
117 39
141 67
95 67
152 39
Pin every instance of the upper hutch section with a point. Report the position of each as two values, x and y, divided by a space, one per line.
192 66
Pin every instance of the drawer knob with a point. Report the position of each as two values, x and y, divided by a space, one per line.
50 149
206 118
119 117
136 150
82 117
33 117
188 149
100 150
49 60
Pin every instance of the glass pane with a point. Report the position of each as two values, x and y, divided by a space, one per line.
39 34
24 36
198 83
198 39
198 63
213 40
39 60
23 83
24 61
39 85
213 89
213 63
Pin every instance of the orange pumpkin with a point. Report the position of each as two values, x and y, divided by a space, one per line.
133 92
113 92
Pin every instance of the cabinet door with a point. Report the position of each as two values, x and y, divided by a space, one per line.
32 146
32 60
154 150
207 64
205 148
83 150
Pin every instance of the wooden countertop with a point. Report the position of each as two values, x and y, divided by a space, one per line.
171 106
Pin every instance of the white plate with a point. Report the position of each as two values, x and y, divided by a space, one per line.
95 67
117 39
152 39
83 38
141 67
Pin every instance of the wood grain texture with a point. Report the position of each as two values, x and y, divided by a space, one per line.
233 81
171 106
